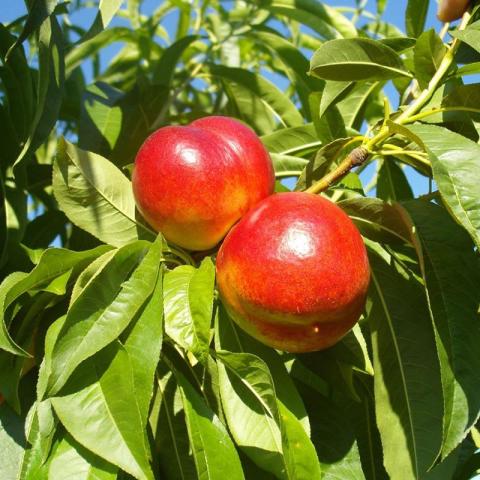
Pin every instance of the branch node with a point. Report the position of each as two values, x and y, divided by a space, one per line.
358 156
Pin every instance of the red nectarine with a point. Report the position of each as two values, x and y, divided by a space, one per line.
194 182
294 272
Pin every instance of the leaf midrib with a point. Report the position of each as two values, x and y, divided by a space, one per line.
402 372
100 192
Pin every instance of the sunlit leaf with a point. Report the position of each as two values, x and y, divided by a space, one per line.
356 59
96 196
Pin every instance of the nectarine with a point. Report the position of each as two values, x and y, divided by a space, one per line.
294 272
194 182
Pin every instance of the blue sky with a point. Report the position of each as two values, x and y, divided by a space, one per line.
394 13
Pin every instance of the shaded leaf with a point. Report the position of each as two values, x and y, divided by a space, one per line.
408 395
50 86
451 272
320 164
276 101
392 183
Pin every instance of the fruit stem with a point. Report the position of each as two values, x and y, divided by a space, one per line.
360 154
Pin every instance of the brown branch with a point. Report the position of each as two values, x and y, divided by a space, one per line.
354 159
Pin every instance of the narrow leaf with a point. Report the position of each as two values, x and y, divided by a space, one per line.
415 16
211 445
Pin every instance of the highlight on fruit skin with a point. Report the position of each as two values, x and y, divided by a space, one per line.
294 272
194 182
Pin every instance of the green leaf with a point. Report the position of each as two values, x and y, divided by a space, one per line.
377 220
104 308
283 164
54 264
250 407
19 88
12 443
33 466
96 196
300 454
408 394
249 403
114 124
78 54
188 297
164 71
354 105
321 18
212 448
333 93
330 126
451 269
275 100
295 63
392 183
464 96
50 86
143 342
319 165
368 437
101 118
71 460
42 230
356 59
333 436
107 9
98 408
415 16
38 12
292 141
399 44
454 161
470 35
428 54
168 425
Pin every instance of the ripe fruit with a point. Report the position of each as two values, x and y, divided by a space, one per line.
294 272
194 182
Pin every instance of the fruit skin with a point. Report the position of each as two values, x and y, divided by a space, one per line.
294 272
194 182
449 10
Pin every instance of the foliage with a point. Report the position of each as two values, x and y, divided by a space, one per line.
117 360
